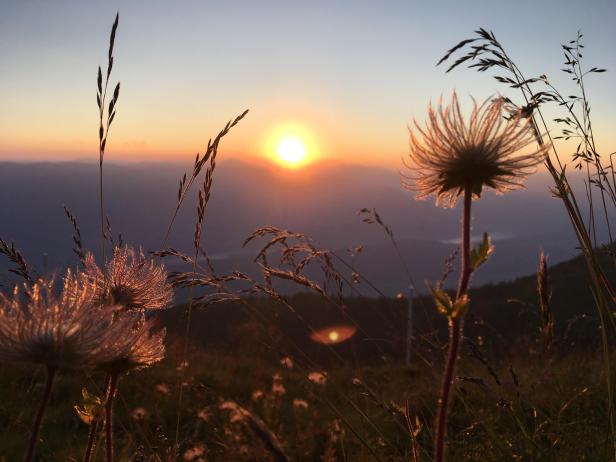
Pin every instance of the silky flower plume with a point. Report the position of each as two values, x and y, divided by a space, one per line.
143 344
454 155
130 280
63 331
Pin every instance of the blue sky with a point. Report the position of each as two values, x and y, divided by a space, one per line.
353 74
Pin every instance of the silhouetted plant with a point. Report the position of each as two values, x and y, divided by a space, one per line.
484 52
105 121
454 158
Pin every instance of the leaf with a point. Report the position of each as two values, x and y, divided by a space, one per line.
443 302
91 409
481 253
85 417
114 28
116 92
458 62
446 306
454 49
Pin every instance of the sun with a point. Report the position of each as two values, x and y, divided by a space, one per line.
291 145
291 151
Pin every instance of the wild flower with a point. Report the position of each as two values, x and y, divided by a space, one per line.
138 413
287 362
454 158
163 389
454 155
204 415
236 413
320 378
130 280
141 347
195 453
300 403
62 331
278 388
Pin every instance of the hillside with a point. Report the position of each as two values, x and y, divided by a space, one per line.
502 315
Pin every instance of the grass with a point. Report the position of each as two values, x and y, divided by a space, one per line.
552 410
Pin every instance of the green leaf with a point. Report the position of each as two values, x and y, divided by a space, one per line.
447 307
443 302
92 407
481 253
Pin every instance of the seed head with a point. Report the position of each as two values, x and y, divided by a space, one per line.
63 331
141 346
131 280
454 155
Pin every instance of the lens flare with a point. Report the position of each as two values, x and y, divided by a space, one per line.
332 335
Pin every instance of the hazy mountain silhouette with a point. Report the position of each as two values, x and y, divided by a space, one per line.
321 201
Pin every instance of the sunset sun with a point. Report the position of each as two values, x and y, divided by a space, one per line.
291 151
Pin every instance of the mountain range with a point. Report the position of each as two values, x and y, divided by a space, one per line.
321 201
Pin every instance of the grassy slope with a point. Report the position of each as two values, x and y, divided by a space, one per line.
522 404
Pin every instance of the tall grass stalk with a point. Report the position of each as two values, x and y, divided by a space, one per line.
103 132
209 159
105 124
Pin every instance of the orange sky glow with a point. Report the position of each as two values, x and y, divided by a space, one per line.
347 92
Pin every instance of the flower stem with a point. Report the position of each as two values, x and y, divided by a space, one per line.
94 426
36 426
455 333
113 384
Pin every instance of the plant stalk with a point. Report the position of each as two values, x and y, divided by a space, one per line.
455 333
36 426
113 385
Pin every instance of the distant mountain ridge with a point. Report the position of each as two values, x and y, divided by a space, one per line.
322 201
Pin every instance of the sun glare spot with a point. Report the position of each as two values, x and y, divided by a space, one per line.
291 151
333 334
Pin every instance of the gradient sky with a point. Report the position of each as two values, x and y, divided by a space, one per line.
350 74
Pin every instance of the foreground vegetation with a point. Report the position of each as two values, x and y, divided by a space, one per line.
536 407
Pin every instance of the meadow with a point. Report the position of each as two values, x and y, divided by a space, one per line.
235 368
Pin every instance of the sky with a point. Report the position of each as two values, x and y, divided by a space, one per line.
346 77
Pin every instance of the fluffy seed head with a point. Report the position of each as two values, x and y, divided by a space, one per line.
454 155
63 331
141 345
131 280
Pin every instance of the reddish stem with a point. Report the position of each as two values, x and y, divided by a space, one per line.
113 384
455 333
36 426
